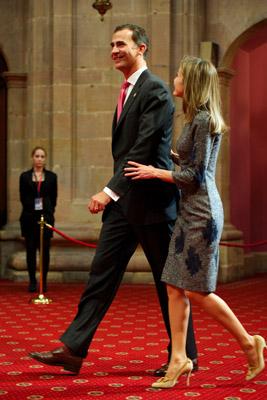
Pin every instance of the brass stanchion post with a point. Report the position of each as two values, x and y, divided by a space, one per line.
41 299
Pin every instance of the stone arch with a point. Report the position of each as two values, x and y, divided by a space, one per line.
230 53
253 36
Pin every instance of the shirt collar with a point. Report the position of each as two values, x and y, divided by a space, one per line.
135 76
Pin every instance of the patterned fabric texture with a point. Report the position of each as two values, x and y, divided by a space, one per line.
193 255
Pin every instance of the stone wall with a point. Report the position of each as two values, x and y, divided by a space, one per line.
62 91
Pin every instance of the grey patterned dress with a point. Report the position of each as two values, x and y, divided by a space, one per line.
193 258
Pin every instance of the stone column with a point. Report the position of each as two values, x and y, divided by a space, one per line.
187 31
159 31
39 61
187 28
231 259
16 116
62 150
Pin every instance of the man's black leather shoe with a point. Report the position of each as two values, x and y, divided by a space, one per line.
163 369
61 357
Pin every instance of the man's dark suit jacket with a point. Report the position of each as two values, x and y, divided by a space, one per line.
28 192
143 134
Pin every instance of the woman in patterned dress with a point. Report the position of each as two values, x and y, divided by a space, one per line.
191 268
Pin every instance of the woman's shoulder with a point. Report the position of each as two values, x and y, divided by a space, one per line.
202 116
50 173
26 173
201 121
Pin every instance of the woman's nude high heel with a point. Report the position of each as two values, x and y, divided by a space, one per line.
254 370
167 382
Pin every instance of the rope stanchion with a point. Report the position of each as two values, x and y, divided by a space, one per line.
41 299
92 245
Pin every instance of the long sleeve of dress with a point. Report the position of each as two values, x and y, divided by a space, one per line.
194 155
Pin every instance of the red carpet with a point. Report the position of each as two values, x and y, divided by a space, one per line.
128 345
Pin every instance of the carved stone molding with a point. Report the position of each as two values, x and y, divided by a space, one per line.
15 79
225 74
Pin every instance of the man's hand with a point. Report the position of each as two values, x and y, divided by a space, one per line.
98 202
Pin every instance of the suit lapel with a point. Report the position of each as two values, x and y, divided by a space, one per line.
131 98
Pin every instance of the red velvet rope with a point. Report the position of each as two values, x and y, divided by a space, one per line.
245 245
94 245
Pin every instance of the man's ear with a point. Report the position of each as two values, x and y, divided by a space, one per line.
142 48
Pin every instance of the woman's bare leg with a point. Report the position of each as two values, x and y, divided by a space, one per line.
179 308
221 312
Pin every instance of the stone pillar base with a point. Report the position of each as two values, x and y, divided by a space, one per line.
232 266
256 262
69 262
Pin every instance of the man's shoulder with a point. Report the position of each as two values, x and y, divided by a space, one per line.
152 81
154 78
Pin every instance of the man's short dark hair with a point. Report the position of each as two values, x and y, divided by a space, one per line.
139 35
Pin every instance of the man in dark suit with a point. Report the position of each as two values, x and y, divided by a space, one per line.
134 212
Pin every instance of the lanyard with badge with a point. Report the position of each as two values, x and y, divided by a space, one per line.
38 201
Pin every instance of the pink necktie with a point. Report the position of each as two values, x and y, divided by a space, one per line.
121 99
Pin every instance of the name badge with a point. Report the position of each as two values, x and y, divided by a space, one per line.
38 204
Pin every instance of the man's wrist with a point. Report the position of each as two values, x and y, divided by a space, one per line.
111 194
163 175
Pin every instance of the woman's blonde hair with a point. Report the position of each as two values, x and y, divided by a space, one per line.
201 91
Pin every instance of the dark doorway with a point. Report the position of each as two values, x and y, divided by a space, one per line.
3 143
